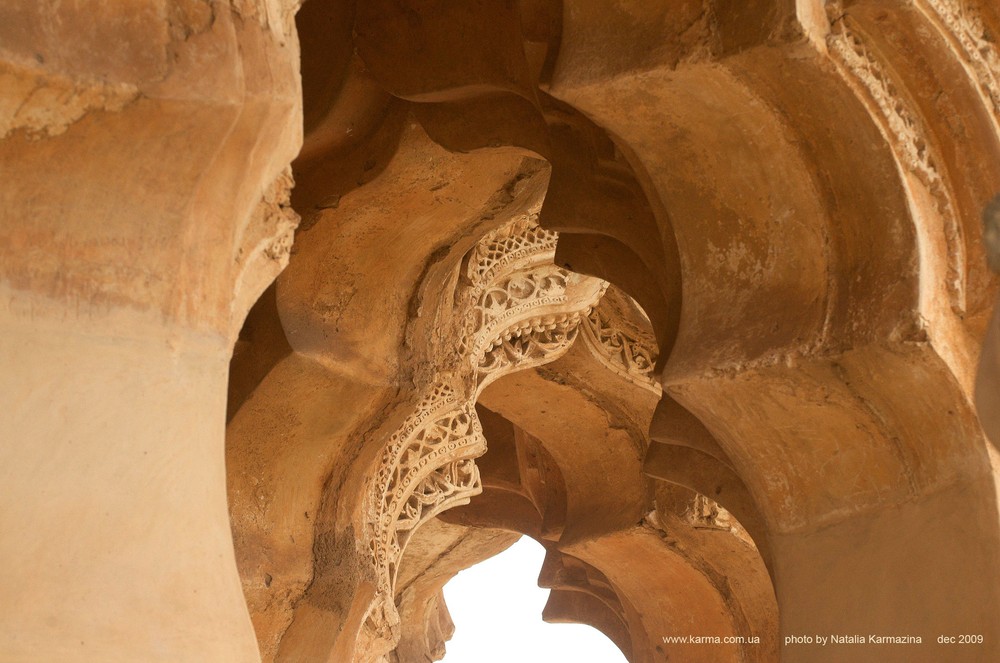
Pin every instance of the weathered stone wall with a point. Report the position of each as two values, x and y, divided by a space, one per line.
144 208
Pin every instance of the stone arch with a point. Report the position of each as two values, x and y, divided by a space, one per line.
733 202
809 383
513 310
593 528
694 177
790 190
503 307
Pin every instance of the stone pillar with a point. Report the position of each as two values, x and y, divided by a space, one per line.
144 207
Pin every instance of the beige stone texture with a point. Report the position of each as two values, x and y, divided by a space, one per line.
304 310
144 208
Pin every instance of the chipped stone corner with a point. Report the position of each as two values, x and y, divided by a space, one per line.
44 104
265 247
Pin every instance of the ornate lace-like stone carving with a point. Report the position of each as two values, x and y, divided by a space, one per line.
619 352
515 310
621 339
425 464
530 344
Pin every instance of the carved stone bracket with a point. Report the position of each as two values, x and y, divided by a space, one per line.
514 310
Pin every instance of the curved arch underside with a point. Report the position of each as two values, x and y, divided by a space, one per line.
765 427
693 293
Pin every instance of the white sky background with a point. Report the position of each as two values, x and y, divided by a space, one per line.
497 609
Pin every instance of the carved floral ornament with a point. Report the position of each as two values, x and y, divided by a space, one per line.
620 344
515 310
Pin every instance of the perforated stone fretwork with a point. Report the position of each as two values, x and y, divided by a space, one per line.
516 310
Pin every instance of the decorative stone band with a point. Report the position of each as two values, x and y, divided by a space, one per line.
426 465
620 350
898 120
963 26
532 343
505 249
505 304
515 310
901 125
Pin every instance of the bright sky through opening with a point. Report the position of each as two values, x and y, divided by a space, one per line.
497 609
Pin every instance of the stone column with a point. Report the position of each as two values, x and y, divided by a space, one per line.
143 208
